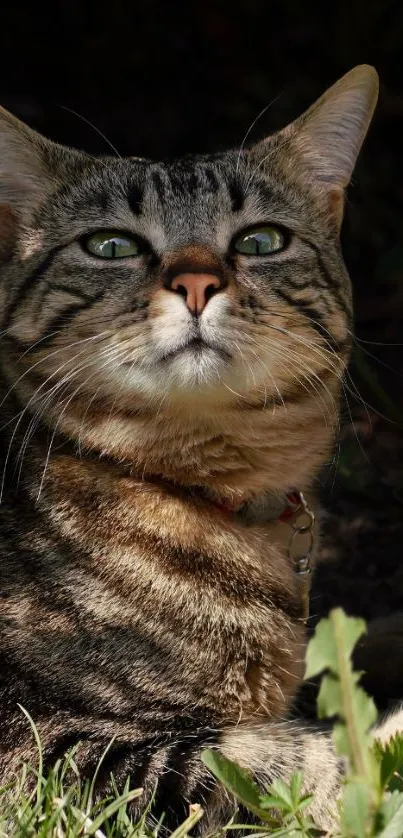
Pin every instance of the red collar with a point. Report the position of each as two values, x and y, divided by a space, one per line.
292 504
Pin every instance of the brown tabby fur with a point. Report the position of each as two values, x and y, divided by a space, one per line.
132 605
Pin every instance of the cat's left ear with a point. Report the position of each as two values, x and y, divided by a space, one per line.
327 138
24 175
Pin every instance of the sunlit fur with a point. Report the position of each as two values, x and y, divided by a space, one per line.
132 605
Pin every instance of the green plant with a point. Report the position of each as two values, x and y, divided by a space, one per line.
60 804
371 801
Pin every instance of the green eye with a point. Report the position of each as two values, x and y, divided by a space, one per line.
261 241
113 245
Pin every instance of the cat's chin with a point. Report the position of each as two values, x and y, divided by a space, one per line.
190 373
197 351
191 370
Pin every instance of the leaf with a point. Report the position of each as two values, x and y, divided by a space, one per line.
395 783
270 801
390 756
331 649
234 778
295 788
40 751
279 789
363 713
322 652
196 812
92 826
355 813
331 700
391 814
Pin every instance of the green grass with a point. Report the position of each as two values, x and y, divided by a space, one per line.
60 804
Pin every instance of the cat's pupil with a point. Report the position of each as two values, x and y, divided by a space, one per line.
111 245
260 242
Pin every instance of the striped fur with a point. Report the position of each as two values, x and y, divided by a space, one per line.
131 605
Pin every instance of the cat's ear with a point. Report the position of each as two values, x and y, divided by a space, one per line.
25 176
327 138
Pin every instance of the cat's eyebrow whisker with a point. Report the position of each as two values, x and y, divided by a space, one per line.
277 146
94 127
251 127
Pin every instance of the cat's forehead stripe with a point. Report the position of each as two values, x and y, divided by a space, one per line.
192 178
158 184
237 195
135 198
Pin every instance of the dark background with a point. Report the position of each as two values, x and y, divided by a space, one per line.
160 79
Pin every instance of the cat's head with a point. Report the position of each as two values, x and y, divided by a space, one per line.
207 281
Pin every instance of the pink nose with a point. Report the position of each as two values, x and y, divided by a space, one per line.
197 289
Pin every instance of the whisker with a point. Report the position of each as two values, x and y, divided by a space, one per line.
277 146
51 355
94 127
112 354
252 125
58 384
297 359
56 426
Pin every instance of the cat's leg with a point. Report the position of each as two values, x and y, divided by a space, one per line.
276 750
170 761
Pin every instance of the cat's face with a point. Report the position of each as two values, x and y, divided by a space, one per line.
204 281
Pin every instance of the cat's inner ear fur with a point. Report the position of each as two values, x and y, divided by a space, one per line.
327 138
27 177
24 173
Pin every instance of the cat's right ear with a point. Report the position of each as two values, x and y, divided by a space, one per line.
25 178
323 144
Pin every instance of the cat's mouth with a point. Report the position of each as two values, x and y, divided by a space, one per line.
197 346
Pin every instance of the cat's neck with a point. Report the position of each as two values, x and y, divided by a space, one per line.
230 454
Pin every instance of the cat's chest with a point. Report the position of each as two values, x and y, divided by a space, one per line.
142 587
125 525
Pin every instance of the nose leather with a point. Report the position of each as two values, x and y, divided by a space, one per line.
197 289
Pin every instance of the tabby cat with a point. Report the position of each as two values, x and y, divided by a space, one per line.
174 338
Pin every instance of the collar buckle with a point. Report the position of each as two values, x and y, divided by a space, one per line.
300 548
